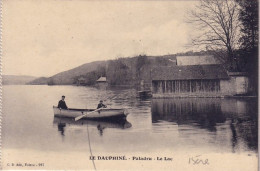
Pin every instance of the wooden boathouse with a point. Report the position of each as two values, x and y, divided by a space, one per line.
102 82
189 80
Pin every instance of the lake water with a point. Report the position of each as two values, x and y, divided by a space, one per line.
217 129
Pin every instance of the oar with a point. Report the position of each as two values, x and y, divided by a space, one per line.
81 116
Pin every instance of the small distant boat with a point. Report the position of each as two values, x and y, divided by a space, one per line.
102 114
144 94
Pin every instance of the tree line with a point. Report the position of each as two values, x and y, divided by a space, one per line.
229 28
124 71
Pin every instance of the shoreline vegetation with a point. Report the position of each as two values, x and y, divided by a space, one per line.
122 72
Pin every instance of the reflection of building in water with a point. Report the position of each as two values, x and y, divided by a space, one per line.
232 121
205 112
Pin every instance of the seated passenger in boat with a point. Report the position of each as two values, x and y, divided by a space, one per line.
100 105
62 103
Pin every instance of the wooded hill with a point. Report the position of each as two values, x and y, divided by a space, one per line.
122 71
69 77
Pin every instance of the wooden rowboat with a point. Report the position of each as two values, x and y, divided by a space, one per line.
101 114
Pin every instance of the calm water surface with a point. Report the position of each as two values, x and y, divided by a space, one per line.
207 125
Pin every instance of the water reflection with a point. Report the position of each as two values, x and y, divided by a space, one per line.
234 135
191 130
234 118
100 125
61 127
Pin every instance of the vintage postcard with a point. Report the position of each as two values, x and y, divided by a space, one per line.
129 85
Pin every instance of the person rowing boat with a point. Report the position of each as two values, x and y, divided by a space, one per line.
101 105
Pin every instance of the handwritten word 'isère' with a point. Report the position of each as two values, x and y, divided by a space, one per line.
198 160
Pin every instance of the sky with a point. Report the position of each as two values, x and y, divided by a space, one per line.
45 37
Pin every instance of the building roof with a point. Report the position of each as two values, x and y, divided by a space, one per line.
102 79
237 73
197 60
192 72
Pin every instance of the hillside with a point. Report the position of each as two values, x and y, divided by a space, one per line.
17 79
121 71
68 77
39 81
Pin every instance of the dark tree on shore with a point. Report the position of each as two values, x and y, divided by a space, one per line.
118 73
248 16
141 61
217 23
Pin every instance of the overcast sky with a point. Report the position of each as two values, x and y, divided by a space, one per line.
42 38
